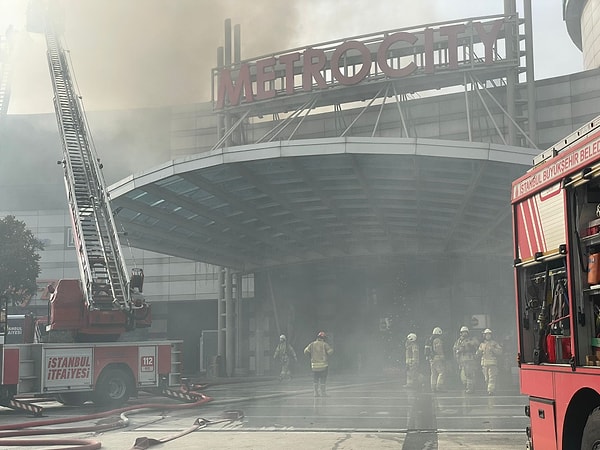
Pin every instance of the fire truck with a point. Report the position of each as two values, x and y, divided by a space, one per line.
84 351
556 226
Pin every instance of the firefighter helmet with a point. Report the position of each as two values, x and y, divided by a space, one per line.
464 329
412 337
437 330
487 330
282 337
321 335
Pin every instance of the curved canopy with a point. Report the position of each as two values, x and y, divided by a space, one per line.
263 205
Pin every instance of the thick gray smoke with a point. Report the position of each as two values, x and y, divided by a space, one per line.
148 53
159 52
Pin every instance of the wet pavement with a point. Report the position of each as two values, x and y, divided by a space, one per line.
357 413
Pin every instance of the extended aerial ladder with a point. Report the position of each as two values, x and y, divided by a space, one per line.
112 300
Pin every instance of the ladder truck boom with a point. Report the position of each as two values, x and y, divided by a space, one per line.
106 301
71 356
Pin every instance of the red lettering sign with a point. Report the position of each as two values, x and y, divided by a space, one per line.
237 86
365 54
557 168
68 368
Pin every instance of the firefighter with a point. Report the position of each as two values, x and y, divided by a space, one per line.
413 377
319 351
465 348
434 352
284 352
489 351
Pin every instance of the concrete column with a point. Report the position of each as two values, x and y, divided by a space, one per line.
229 325
240 367
220 322
221 314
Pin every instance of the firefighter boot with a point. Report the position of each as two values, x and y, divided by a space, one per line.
317 390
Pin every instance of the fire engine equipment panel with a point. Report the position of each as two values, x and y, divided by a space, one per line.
589 230
557 244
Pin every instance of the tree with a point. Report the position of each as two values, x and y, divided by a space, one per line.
19 261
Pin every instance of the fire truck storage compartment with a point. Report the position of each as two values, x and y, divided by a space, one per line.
543 423
591 247
29 379
591 240
545 312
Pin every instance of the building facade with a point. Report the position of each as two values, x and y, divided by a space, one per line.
365 302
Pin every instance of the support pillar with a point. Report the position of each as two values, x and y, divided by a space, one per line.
229 325
240 369
221 325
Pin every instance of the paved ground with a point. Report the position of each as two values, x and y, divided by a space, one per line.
357 414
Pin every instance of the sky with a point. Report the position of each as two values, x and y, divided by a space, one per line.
149 53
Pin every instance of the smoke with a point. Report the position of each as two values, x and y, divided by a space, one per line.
149 53
146 53
160 52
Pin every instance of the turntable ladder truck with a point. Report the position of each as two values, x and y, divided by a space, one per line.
86 353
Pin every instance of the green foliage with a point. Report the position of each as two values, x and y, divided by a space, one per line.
19 261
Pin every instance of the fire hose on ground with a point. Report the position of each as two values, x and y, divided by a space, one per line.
25 428
228 416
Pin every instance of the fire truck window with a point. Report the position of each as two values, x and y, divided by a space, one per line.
588 204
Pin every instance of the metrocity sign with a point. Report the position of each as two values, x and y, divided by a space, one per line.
392 55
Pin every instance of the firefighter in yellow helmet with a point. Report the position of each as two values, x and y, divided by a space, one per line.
465 348
413 377
319 351
489 350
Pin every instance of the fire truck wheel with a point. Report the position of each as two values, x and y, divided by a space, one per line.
591 432
73 398
113 387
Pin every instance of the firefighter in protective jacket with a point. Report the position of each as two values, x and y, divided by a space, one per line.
489 350
434 352
284 352
319 351
465 348
413 377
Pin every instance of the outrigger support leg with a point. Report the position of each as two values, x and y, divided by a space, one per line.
22 406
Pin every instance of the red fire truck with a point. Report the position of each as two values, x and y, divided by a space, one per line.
85 351
556 220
